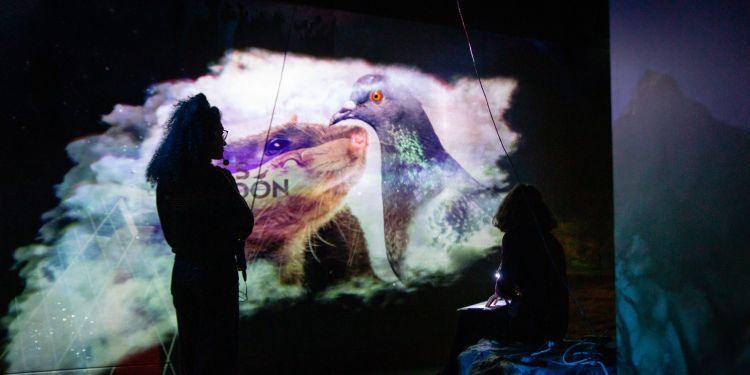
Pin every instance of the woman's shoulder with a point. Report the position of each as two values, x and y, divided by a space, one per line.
526 236
206 175
222 175
510 241
515 235
197 180
222 171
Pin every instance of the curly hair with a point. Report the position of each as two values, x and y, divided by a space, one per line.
517 208
184 142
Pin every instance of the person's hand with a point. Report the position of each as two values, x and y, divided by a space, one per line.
491 301
240 259
242 264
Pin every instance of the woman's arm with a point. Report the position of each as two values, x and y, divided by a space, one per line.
240 218
507 282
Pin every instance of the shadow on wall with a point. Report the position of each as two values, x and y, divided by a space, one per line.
681 235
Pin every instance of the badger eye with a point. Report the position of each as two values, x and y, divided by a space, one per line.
276 146
376 96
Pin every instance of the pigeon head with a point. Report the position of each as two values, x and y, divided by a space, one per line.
402 126
378 102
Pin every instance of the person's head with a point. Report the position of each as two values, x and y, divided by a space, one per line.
194 136
517 207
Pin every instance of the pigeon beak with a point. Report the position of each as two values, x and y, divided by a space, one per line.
346 112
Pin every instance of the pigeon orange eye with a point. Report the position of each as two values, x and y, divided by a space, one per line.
276 146
376 96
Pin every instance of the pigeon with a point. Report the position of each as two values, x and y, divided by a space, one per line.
416 169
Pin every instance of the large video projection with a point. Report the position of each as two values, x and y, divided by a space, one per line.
382 170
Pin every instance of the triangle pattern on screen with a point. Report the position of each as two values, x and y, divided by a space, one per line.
85 283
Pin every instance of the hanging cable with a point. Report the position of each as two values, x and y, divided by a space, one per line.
518 178
254 188
273 110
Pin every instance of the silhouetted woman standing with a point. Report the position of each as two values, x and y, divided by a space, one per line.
206 221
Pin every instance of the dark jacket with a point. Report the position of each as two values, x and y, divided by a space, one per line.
204 218
534 279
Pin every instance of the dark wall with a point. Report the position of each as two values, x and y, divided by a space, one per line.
681 150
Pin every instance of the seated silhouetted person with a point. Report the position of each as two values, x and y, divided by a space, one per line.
531 279
531 276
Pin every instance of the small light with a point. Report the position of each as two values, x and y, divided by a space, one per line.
497 275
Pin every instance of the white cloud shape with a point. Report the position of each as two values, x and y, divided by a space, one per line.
97 289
